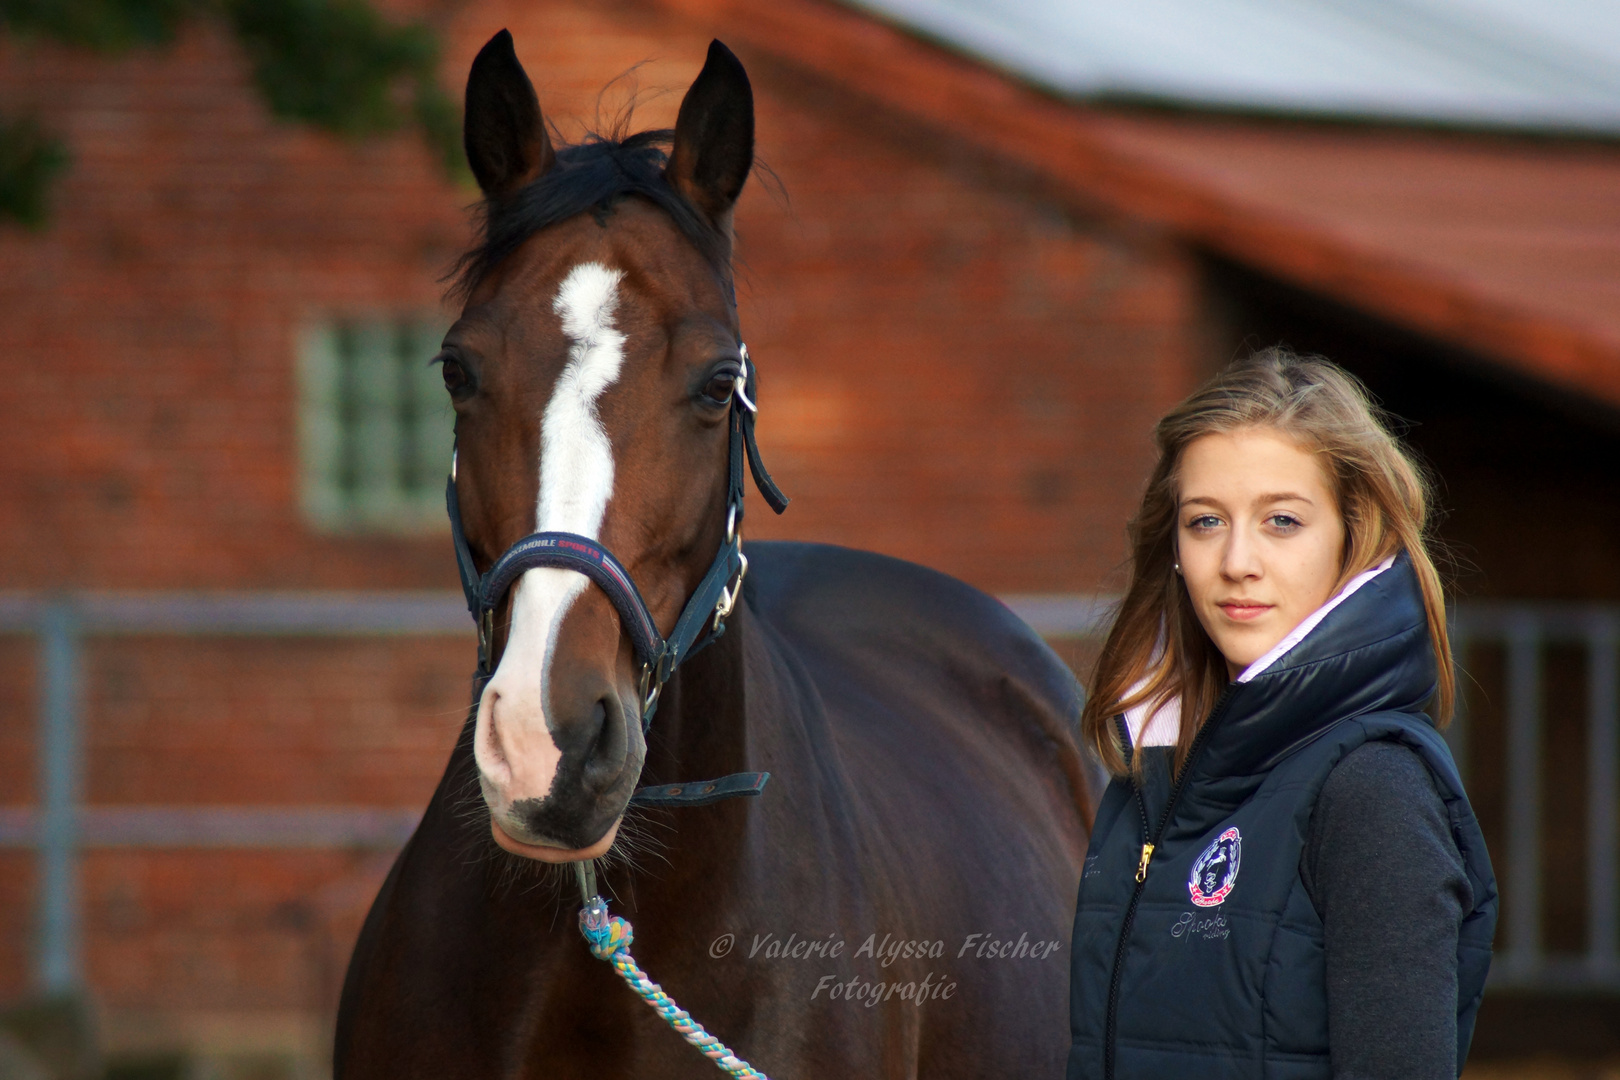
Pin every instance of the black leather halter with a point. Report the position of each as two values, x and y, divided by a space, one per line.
701 621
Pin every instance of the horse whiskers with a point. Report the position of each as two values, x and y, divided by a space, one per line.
507 871
468 805
635 842
639 843
514 872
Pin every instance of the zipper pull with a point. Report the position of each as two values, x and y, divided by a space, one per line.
1141 868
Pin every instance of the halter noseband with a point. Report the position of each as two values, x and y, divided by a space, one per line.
702 620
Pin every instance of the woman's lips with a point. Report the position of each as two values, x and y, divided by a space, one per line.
1243 611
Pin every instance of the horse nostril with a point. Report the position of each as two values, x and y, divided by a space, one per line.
604 759
598 725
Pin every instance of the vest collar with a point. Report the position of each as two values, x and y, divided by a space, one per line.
1369 653
1163 727
1310 622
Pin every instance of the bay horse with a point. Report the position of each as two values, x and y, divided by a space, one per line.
896 902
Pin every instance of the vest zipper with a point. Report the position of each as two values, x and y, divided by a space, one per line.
1150 841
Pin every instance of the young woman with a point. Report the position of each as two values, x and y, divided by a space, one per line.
1285 878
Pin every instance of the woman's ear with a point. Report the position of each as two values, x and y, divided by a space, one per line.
714 137
502 131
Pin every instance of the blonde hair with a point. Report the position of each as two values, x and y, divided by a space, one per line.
1156 649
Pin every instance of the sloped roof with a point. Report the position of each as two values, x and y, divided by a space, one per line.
1532 63
1507 246
1510 248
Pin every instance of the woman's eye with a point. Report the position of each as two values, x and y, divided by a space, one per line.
719 389
1204 521
456 379
1283 521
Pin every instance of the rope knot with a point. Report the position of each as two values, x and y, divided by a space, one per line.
606 934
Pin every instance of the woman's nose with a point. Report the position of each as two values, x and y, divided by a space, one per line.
1240 561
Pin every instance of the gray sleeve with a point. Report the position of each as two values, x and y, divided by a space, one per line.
1384 873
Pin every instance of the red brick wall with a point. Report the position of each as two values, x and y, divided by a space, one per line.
150 430
956 369
279 722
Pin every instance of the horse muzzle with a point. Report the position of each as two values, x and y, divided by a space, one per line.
555 790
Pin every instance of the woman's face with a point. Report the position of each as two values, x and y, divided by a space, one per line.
1258 536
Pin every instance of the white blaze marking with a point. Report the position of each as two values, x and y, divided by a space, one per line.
576 459
576 482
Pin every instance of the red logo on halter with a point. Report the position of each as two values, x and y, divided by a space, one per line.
1215 871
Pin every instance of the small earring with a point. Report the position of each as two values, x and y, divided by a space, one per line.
1178 568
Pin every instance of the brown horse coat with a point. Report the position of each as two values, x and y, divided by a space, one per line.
925 788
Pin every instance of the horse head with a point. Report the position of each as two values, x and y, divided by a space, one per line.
592 372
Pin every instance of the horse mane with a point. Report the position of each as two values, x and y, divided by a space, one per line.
593 174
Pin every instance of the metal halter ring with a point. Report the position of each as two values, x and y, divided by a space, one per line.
742 383
486 636
650 689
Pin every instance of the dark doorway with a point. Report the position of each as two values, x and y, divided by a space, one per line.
1529 475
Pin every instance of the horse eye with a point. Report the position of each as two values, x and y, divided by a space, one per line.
721 387
456 379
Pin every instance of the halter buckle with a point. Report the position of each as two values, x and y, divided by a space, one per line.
728 596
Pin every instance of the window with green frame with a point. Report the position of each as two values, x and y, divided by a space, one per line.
375 425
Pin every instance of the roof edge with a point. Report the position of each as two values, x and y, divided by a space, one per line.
1066 143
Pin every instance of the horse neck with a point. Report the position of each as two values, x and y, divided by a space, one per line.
700 732
701 729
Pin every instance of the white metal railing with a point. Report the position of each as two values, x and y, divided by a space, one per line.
1524 631
59 827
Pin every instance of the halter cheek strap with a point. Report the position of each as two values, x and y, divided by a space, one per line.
701 621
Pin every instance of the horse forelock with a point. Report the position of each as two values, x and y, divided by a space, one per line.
588 177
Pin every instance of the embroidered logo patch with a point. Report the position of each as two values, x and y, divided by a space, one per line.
1215 871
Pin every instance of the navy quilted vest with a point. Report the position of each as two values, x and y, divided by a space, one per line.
1213 967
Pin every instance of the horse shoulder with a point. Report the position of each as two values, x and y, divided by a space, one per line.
900 635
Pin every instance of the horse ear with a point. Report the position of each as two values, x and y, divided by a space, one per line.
503 132
714 136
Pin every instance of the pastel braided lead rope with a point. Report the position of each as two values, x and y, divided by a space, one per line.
609 938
